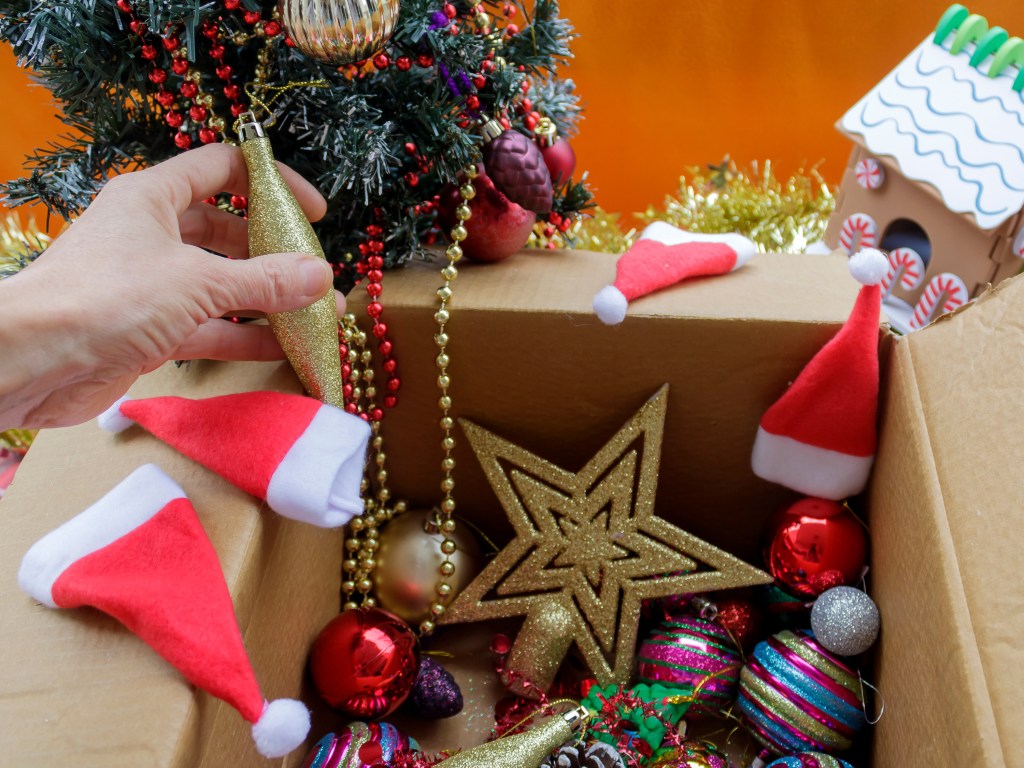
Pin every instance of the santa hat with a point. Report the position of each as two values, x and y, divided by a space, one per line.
663 256
141 555
819 438
303 457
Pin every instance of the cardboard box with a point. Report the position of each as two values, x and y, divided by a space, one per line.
531 363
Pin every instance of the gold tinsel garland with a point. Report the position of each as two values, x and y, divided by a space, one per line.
778 216
19 244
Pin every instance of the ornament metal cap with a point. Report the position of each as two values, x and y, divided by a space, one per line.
249 127
491 130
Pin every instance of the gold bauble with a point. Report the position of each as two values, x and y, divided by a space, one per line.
338 31
409 562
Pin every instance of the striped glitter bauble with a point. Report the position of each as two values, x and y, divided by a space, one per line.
796 696
809 760
359 745
687 652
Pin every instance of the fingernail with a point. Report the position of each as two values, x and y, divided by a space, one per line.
314 277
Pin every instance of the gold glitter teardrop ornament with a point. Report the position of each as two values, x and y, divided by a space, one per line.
339 31
277 224
523 750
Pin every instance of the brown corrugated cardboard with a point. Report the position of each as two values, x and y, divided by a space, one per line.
75 686
532 363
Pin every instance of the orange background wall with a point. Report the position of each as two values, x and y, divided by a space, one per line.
673 84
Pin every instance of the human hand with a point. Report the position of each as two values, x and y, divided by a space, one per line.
128 287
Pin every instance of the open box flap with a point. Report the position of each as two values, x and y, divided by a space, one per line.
948 502
76 686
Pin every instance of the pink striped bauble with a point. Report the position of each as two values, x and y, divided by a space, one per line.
688 652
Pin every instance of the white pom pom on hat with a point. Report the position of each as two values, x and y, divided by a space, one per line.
282 727
869 266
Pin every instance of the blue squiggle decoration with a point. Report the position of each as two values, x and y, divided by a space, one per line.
977 131
917 150
953 74
956 145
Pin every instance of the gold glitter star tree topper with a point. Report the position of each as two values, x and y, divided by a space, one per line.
588 550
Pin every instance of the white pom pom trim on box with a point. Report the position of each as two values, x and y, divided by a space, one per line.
112 420
282 727
869 266
610 305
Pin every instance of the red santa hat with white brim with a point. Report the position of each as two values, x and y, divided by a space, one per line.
303 457
663 256
820 437
141 555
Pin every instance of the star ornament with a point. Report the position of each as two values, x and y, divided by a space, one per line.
588 549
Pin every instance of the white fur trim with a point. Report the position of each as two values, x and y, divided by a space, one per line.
610 305
131 503
317 481
665 233
808 469
282 727
869 266
112 420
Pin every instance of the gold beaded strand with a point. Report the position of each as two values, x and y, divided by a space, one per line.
363 540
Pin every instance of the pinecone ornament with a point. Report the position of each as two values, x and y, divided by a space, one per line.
517 168
593 754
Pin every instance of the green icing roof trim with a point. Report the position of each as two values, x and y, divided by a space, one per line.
994 42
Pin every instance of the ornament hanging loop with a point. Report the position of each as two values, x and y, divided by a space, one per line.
256 92
864 701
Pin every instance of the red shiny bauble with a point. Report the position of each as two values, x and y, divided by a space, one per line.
498 227
364 662
814 544
560 160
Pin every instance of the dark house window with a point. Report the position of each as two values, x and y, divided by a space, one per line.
905 233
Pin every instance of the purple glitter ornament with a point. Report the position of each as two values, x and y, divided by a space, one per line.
435 694
688 652
517 168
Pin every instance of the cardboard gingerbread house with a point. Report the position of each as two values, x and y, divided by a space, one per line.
936 176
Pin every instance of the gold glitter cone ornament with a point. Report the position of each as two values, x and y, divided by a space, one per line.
588 545
339 31
523 750
277 224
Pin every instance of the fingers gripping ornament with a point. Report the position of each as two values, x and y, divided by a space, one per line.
278 225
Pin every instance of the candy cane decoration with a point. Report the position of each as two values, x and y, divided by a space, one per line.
859 231
944 293
906 268
1018 244
870 173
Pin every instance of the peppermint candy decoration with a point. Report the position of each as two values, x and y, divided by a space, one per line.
1018 244
859 231
870 173
906 269
944 293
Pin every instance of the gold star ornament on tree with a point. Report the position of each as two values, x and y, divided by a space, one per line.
588 550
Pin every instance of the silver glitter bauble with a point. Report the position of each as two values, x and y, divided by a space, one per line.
845 621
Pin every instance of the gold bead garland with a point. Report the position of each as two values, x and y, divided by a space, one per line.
363 540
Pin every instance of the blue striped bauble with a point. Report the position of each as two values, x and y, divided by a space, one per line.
795 696
809 760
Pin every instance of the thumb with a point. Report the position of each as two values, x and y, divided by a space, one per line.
277 282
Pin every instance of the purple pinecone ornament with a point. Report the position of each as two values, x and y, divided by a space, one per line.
435 694
516 166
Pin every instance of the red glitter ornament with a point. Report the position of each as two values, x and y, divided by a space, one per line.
364 662
498 227
812 543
